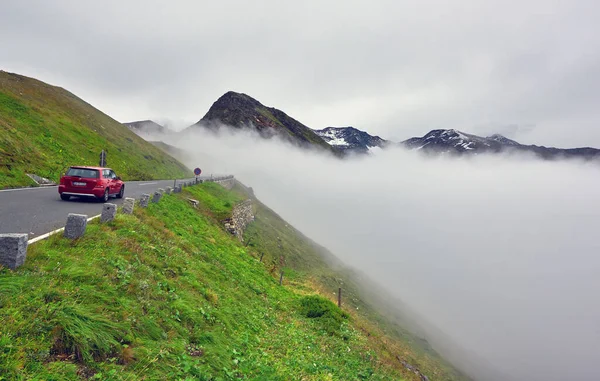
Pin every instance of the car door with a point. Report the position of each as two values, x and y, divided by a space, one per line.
105 180
108 180
114 183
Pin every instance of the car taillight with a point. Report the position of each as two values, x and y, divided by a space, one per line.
96 183
62 181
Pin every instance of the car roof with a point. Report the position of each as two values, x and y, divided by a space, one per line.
88 167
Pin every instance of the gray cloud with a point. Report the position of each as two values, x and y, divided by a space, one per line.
395 68
498 255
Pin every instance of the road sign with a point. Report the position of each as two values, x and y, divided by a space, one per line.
197 171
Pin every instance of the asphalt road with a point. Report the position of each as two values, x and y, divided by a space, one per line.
37 211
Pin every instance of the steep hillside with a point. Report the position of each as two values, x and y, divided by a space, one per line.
177 297
350 139
459 143
44 129
242 111
146 127
179 154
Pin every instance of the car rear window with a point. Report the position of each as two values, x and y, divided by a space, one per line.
83 172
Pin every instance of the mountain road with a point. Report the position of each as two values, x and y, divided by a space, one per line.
37 211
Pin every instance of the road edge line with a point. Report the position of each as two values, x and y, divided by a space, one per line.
46 235
28 188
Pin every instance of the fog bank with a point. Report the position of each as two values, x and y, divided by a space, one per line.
501 254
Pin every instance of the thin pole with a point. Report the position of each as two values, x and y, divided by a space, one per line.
340 297
281 278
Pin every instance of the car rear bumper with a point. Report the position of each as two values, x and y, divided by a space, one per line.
96 192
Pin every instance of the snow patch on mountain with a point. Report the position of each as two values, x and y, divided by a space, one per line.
333 137
351 140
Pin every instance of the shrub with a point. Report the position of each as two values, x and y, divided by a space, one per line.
329 316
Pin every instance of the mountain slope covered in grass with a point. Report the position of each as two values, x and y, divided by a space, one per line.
44 129
176 297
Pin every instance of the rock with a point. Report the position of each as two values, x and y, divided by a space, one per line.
168 190
13 250
76 225
177 188
128 205
241 215
193 202
41 181
157 196
162 191
413 369
109 211
226 182
144 200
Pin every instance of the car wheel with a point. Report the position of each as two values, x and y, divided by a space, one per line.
104 197
65 197
121 192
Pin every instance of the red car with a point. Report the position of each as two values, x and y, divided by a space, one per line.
91 182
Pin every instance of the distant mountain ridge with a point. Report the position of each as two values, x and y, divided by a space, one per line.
350 139
454 142
239 110
146 127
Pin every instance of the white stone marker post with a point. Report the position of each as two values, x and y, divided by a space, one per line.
13 250
144 200
75 227
128 205
109 211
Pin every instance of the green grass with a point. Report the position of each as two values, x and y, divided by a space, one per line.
166 293
295 129
45 129
310 267
329 316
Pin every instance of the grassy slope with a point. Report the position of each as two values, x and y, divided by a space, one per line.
294 128
44 129
306 264
176 297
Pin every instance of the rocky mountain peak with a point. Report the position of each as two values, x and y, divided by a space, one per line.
502 139
455 142
239 110
350 139
146 127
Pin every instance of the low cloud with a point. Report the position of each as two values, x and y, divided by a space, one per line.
498 254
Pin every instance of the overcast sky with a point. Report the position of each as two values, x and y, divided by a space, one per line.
527 69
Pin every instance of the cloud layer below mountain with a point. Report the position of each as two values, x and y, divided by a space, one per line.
500 254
